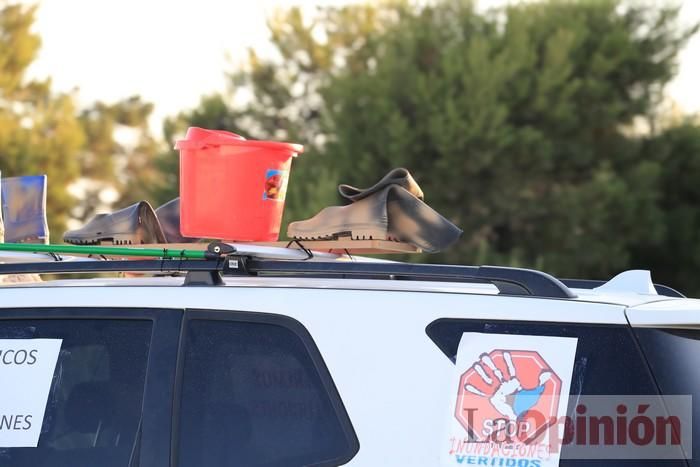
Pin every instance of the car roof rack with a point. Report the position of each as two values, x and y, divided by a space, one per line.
206 267
508 281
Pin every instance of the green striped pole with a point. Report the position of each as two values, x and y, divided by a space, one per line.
107 251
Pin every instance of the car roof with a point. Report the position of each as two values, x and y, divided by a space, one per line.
258 266
623 298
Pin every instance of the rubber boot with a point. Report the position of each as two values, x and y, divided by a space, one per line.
14 278
24 209
169 218
386 211
401 177
134 225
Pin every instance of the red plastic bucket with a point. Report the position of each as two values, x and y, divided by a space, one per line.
232 188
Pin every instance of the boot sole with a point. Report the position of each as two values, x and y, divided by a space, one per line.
354 234
127 239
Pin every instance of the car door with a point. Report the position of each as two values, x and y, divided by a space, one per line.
391 355
253 390
101 377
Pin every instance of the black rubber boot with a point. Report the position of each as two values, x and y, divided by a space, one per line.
169 218
401 177
134 225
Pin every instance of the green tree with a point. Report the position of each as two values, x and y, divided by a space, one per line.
675 258
514 124
42 132
119 154
39 131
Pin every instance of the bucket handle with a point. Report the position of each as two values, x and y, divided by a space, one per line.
198 138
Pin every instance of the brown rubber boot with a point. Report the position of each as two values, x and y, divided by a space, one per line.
389 213
133 225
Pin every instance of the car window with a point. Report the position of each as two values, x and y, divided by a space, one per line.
253 395
94 404
607 362
672 355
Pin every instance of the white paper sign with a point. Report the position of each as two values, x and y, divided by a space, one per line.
507 399
26 372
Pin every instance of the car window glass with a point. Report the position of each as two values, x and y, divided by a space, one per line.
252 395
93 410
673 356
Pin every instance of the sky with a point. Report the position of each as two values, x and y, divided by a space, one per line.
171 52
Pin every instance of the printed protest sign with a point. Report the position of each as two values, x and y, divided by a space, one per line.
26 372
507 396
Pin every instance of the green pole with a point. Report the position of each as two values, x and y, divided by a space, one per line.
106 250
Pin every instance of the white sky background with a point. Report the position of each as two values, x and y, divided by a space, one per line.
173 52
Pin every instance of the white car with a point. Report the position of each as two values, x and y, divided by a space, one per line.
252 360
